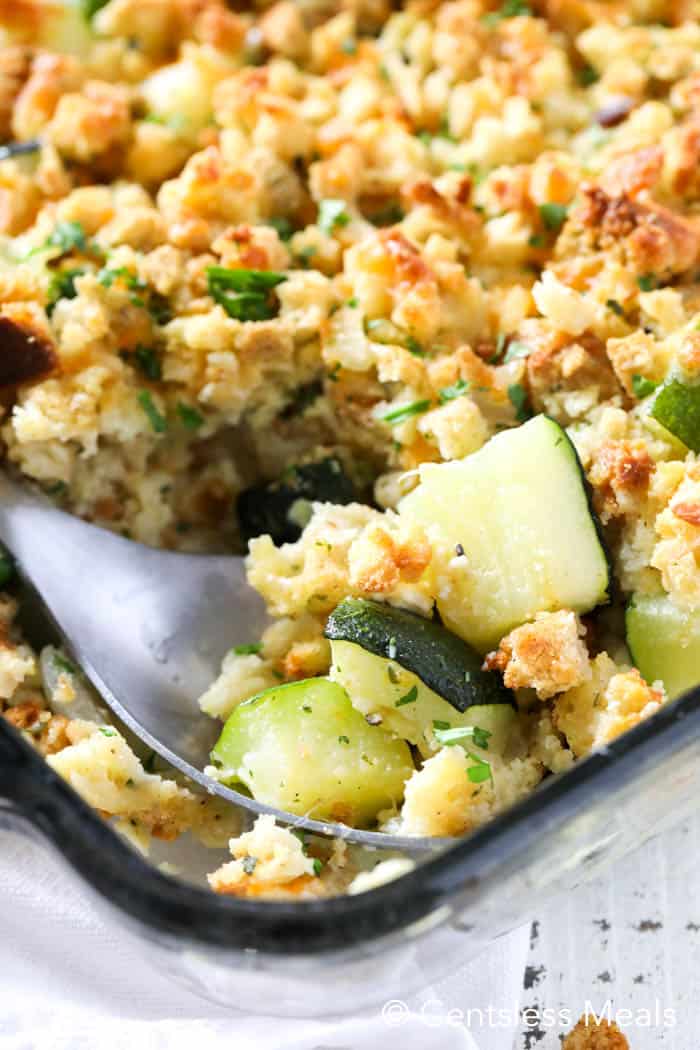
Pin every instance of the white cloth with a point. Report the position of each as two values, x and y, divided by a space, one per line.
68 981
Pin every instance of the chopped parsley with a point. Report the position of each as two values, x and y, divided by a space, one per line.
62 286
108 731
64 664
553 215
516 350
342 739
317 866
332 214
642 386
438 724
612 304
90 8
414 346
509 9
409 698
249 864
189 417
449 737
587 76
283 226
67 236
451 393
387 216
536 240
157 421
247 650
647 282
108 276
480 770
147 362
245 295
404 412
517 395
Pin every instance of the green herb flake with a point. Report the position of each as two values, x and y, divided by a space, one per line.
587 76
158 422
189 417
108 276
439 725
249 864
89 8
245 295
332 214
62 286
647 282
66 236
612 304
404 412
283 226
147 361
509 9
352 302
307 709
642 386
517 350
536 240
450 737
480 770
414 346
317 866
517 395
553 216
342 739
247 650
64 664
409 698
108 731
451 393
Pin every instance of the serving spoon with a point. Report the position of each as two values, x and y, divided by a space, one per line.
150 628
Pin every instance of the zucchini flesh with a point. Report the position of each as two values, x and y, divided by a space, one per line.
664 642
677 407
385 689
513 533
441 660
304 748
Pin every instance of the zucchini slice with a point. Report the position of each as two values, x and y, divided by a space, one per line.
304 748
677 407
281 508
442 661
513 533
664 642
384 689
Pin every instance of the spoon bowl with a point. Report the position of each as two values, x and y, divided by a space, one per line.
150 629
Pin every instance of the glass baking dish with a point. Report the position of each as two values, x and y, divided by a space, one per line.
335 956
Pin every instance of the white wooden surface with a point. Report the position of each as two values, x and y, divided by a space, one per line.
628 941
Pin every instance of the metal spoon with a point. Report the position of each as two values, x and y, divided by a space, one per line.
150 628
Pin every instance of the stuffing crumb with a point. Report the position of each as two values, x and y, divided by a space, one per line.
548 655
268 861
595 1035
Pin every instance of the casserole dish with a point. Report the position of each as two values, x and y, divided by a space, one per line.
315 958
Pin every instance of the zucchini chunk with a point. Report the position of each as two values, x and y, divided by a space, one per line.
442 662
279 507
384 689
304 748
677 407
664 642
513 533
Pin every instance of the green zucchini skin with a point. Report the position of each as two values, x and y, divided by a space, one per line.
677 407
444 662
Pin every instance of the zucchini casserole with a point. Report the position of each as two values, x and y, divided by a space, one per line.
403 299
